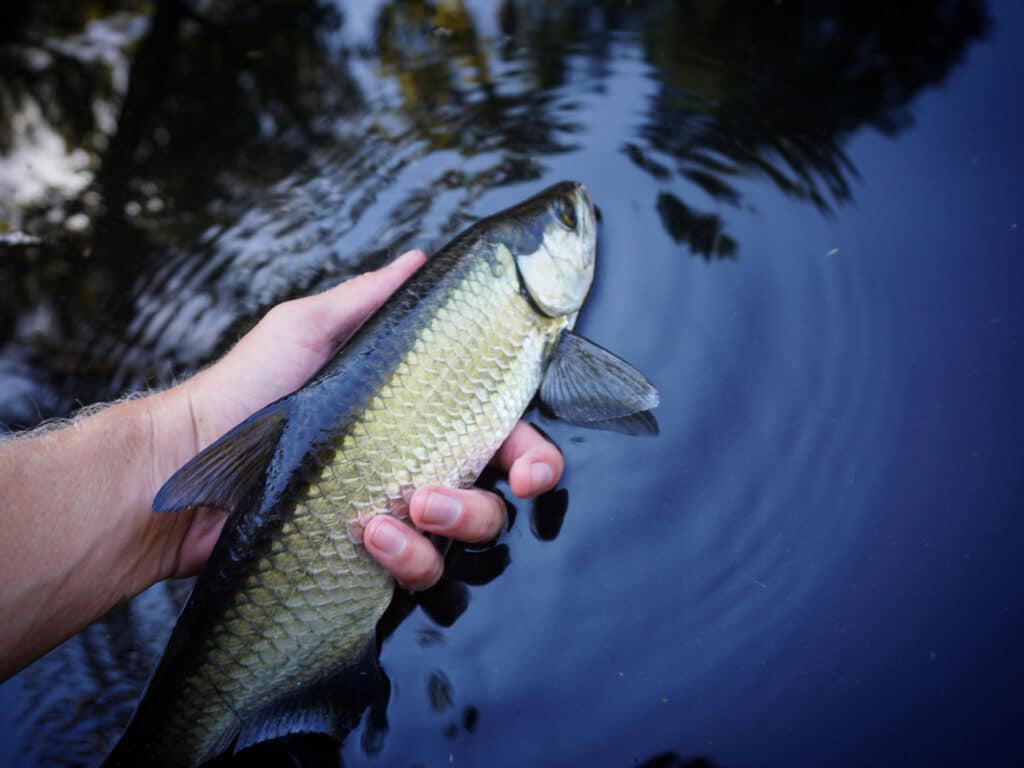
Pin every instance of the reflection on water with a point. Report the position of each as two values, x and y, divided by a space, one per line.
170 171
217 162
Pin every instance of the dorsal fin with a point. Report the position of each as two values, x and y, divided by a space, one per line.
223 473
586 384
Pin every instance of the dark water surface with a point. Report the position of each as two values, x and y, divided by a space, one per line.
812 228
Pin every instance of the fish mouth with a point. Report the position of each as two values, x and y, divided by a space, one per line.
586 194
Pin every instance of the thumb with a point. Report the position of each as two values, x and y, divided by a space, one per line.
290 344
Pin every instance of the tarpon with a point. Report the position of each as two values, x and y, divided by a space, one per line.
424 393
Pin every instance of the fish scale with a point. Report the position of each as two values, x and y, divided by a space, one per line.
315 596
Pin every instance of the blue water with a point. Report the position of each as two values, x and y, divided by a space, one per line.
815 562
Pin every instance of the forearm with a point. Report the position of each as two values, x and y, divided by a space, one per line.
78 536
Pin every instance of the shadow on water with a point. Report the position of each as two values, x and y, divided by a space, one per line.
170 171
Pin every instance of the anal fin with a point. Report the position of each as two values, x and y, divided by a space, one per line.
331 707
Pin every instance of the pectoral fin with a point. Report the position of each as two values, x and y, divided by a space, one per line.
641 424
587 385
222 474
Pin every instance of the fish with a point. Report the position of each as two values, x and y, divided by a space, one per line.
424 393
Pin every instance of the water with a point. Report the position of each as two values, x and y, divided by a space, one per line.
810 240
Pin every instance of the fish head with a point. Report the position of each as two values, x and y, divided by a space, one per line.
555 249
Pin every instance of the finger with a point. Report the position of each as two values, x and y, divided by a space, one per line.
343 309
534 464
302 335
469 515
407 555
323 322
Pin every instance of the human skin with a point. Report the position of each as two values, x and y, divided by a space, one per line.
78 533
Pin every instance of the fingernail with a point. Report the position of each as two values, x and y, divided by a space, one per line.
541 475
389 537
441 510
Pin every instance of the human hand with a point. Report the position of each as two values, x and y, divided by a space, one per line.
275 358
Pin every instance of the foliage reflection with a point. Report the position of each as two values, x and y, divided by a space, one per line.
168 171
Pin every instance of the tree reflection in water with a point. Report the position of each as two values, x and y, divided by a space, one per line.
169 171
217 162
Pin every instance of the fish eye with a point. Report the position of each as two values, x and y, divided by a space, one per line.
565 210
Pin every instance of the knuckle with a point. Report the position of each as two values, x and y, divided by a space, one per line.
488 519
423 571
549 452
280 312
558 463
497 516
435 573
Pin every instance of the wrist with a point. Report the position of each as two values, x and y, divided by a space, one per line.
167 417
